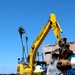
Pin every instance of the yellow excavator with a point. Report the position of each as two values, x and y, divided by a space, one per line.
28 68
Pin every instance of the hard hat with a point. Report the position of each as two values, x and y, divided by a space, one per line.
38 69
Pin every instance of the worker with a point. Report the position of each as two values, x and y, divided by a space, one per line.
38 70
52 69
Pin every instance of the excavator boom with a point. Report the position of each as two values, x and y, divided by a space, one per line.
51 24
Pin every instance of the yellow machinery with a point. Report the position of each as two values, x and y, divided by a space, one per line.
27 69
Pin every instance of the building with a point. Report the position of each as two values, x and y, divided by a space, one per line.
48 48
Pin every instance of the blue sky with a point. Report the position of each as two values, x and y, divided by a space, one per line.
32 15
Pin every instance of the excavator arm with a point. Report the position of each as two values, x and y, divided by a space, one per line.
51 24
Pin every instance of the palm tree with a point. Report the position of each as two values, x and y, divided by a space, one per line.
22 31
27 43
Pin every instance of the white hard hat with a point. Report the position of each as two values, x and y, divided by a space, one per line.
38 68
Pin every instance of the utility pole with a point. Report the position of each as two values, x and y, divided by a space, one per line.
38 55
